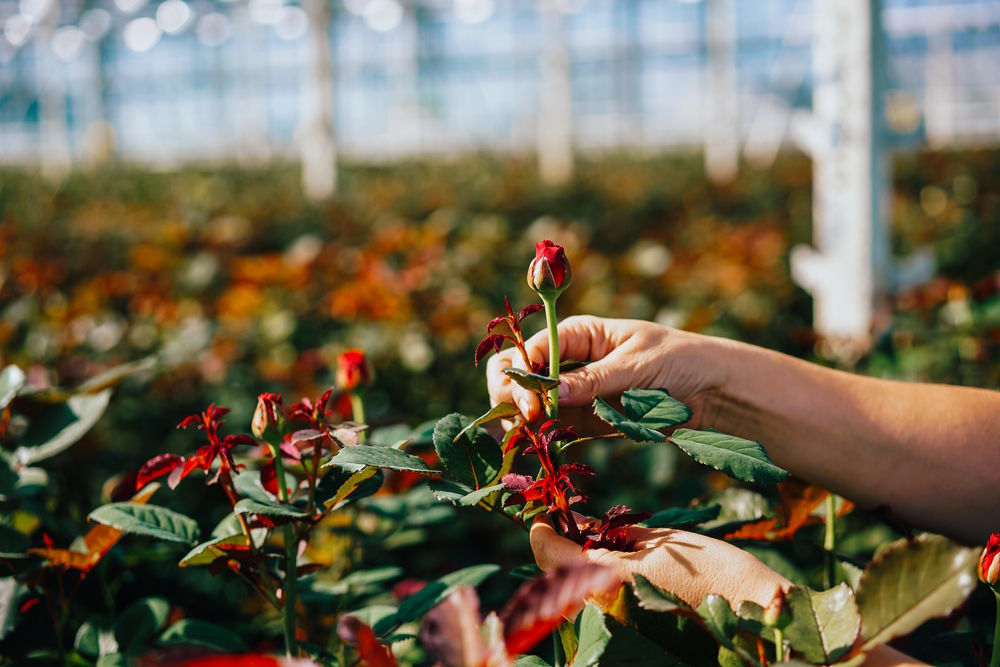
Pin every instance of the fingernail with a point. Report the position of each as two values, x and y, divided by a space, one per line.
563 390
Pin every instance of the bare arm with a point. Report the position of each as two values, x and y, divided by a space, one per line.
931 453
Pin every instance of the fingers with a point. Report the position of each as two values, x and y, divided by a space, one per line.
502 388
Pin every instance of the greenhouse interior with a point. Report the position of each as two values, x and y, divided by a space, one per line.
484 333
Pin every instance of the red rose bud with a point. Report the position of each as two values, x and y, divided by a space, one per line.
549 273
268 416
989 561
776 613
353 370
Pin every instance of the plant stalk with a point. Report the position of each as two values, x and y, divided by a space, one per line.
358 413
830 541
995 658
291 560
779 645
552 409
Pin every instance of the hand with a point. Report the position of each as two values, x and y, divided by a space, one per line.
689 565
622 354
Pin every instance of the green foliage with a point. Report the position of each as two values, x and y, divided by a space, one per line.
741 459
150 520
593 636
469 454
378 457
824 624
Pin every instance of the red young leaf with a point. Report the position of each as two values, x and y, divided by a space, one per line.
450 631
612 531
157 467
541 604
489 344
529 310
269 478
516 482
372 653
495 322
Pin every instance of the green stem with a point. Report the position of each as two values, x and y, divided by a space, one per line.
779 645
358 413
552 409
291 559
995 658
557 650
830 540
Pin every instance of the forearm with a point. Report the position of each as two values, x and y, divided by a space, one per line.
928 452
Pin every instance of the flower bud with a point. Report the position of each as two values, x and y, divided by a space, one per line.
268 416
549 273
353 370
776 613
989 561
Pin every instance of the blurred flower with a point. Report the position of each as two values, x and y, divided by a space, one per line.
353 370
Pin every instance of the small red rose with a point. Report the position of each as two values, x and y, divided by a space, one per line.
549 272
353 370
989 561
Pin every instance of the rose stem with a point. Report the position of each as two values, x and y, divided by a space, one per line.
291 559
552 409
829 541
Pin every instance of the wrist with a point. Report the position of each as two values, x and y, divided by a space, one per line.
696 371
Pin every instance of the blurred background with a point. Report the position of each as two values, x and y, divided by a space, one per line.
240 190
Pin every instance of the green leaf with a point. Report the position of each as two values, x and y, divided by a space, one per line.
531 381
11 593
499 411
459 494
719 618
679 517
116 374
568 638
356 582
112 660
654 408
350 486
11 380
652 597
59 427
95 640
139 623
206 552
913 581
824 624
631 429
530 661
379 457
741 459
248 485
192 632
471 456
13 543
151 520
593 636
423 600
270 508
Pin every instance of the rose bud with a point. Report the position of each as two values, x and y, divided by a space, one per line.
549 273
353 370
268 416
989 561
776 613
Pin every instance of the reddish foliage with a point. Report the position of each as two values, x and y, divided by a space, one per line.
359 635
156 467
612 531
798 500
494 342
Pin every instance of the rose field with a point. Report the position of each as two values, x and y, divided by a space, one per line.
239 428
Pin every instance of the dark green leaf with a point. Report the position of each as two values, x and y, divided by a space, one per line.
530 661
349 486
719 618
593 636
61 426
379 457
93 639
679 517
112 660
631 429
531 381
654 408
420 602
499 411
824 625
11 380
151 520
13 543
192 632
459 494
911 582
270 508
652 597
139 623
741 459
473 458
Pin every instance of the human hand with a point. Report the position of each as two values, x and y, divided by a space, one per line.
622 354
689 565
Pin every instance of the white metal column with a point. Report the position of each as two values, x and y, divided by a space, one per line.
555 101
316 131
721 128
849 266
